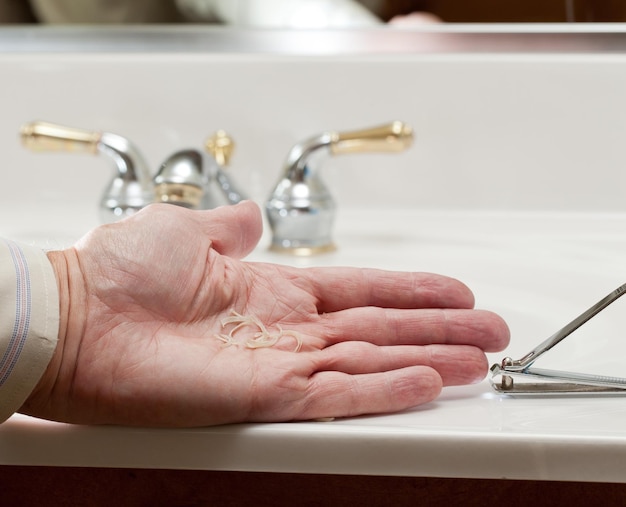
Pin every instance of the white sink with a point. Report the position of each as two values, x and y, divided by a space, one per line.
537 270
502 123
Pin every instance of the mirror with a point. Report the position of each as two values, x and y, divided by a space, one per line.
308 13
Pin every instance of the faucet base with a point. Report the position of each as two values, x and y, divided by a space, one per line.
303 251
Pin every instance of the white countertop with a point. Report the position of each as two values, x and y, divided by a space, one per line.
537 270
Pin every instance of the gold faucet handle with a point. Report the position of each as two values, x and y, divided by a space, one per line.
221 146
393 137
43 136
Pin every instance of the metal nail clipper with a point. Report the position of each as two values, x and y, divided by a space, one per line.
519 377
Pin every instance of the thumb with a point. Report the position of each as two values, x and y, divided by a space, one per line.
233 230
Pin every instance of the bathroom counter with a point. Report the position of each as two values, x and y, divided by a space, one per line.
537 270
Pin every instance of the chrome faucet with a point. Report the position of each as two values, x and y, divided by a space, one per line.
301 210
184 178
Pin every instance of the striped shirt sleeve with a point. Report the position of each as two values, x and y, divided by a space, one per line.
29 322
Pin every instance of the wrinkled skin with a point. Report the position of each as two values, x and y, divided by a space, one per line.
142 301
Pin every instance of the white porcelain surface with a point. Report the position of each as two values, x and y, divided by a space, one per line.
537 270
508 132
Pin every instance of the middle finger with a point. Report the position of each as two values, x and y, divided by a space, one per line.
385 326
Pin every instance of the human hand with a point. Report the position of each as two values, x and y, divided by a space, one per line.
143 300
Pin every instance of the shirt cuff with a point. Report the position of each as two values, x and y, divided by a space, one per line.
29 322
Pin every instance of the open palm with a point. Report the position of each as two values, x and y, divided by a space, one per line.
144 303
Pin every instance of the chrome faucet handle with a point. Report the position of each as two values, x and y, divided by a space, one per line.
131 188
301 209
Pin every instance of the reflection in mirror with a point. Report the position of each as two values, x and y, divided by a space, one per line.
268 13
308 13
248 13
